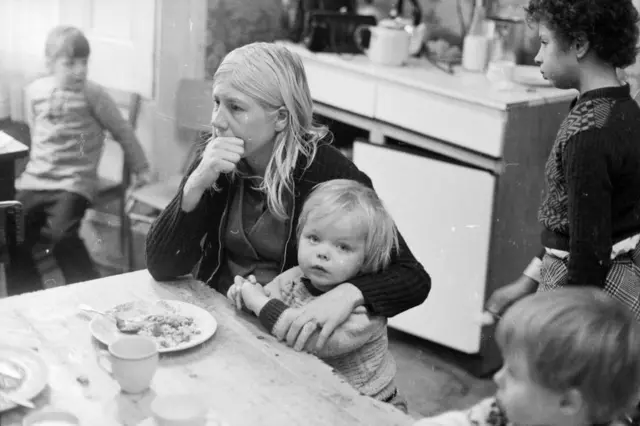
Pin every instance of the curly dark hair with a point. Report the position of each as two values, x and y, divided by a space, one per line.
609 25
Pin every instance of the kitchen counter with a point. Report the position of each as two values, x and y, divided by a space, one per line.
421 74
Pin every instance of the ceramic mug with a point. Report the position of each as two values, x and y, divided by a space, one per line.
179 410
131 361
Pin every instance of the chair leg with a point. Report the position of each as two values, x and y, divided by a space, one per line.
126 238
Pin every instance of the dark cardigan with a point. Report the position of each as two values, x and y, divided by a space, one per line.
178 241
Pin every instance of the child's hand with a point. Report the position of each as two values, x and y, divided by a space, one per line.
253 295
234 294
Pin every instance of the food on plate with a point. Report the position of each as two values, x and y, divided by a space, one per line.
169 330
11 375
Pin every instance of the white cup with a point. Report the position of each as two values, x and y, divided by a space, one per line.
51 417
179 410
131 361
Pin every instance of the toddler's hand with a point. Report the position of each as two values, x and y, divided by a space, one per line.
253 295
234 294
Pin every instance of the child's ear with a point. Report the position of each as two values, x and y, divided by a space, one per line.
581 46
572 402
282 118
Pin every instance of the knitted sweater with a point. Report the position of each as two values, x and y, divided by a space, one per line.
67 137
362 358
178 240
593 183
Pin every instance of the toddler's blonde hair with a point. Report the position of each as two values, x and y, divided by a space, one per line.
577 338
339 197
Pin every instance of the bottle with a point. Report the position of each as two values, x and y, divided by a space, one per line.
475 47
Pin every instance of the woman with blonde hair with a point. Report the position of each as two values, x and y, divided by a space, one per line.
239 202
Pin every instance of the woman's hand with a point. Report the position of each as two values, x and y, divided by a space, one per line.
326 312
506 296
221 155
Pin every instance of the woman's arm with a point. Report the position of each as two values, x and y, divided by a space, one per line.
173 244
357 330
589 190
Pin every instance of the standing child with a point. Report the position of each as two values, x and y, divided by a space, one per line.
68 116
591 211
344 230
572 358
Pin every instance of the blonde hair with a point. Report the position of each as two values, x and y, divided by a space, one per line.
577 338
66 41
339 197
275 77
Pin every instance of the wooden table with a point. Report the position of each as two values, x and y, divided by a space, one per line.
10 151
243 373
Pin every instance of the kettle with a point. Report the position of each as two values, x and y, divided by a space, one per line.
415 26
389 43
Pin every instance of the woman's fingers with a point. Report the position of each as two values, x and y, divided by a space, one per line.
307 330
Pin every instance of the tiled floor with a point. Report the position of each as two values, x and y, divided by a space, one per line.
431 377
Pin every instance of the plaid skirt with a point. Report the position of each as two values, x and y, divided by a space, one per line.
622 282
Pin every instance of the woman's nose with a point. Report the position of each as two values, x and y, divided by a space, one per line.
497 378
218 120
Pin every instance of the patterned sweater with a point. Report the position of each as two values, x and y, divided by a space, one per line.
362 358
178 241
593 183
67 137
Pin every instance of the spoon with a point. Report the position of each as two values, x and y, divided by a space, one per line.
123 325
17 400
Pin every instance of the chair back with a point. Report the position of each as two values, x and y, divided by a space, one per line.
115 168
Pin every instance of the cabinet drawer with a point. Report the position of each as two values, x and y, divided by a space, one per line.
341 88
461 123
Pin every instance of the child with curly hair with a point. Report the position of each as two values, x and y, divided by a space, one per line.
572 357
591 211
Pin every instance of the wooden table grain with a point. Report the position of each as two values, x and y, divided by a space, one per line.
242 373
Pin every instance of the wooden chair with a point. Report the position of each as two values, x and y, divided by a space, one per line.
193 115
114 186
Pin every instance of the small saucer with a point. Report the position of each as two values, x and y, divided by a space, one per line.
51 415
213 419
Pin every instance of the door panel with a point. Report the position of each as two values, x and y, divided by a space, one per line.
121 33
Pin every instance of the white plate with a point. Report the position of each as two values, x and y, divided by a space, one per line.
529 75
106 331
31 365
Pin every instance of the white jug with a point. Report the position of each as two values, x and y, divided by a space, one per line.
388 45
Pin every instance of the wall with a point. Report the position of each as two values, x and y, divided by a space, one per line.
233 23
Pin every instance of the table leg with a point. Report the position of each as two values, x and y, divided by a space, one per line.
4 292
7 178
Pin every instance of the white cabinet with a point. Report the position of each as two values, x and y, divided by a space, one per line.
443 211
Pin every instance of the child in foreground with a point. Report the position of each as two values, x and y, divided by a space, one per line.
344 230
571 358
